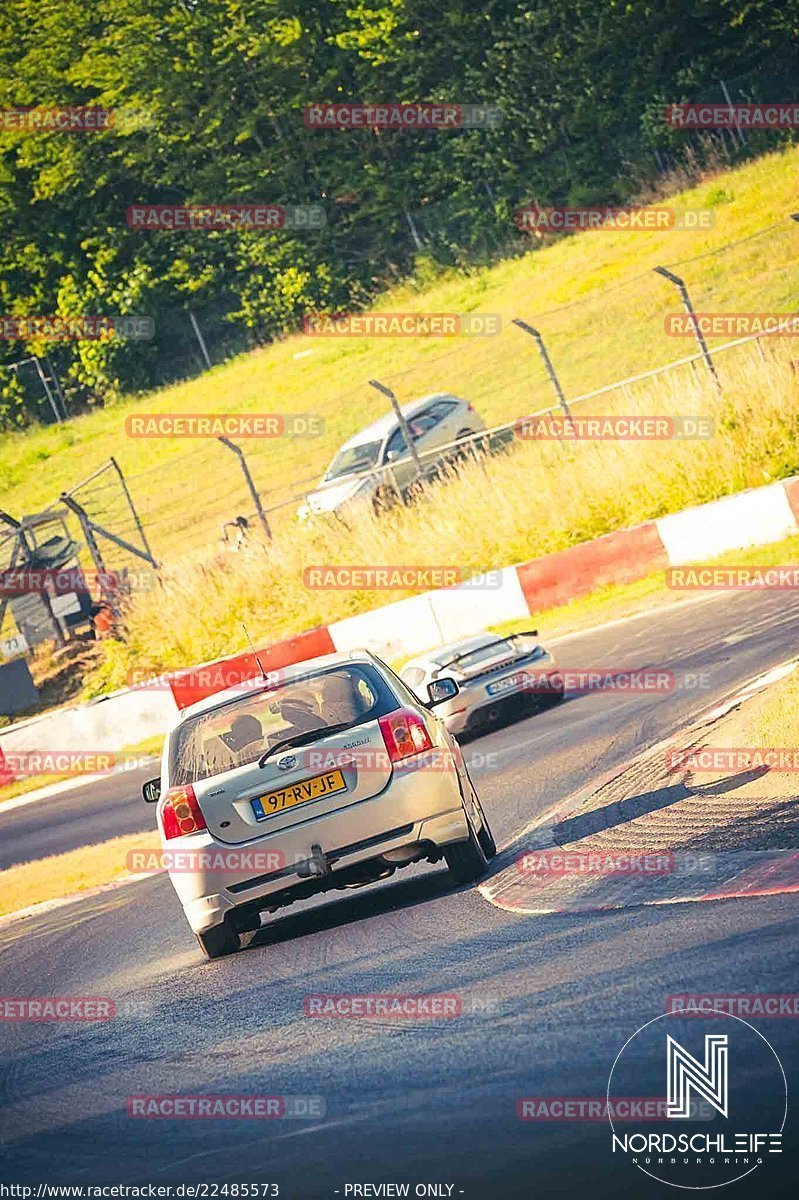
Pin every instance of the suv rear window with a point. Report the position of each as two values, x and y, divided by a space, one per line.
240 731
441 409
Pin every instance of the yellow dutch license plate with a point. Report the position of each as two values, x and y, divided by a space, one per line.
298 793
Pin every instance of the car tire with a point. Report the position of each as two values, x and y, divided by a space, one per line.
485 837
466 860
219 940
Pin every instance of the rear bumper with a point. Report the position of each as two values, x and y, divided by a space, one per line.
421 806
469 708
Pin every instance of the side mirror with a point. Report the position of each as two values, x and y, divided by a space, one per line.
151 791
392 456
440 690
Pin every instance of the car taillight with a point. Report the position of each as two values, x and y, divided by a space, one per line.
181 813
404 733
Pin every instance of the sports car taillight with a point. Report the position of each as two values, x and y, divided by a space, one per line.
404 733
181 813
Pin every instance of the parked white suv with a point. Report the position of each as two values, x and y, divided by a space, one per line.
376 463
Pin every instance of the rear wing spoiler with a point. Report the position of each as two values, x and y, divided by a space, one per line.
497 641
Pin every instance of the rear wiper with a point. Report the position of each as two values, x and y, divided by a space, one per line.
302 739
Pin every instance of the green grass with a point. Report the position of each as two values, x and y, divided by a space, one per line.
185 490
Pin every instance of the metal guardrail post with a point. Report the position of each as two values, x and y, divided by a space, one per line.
689 308
237 450
547 363
403 424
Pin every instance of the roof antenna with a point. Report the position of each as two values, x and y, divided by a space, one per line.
264 675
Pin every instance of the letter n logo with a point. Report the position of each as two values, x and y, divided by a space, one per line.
708 1080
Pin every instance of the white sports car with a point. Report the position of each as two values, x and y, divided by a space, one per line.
497 677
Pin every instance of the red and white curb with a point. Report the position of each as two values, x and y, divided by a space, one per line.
696 877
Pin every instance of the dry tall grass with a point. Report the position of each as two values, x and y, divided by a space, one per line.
541 497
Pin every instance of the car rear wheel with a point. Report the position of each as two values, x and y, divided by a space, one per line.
466 860
485 837
219 940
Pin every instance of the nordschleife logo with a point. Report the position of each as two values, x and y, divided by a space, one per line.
721 1066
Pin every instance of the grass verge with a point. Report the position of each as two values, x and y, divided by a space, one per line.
75 871
541 497
593 295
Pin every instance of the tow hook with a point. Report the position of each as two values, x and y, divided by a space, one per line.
317 864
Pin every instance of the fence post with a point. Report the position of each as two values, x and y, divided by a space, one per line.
59 391
87 529
132 507
200 339
237 450
47 392
689 308
736 130
403 424
417 241
547 363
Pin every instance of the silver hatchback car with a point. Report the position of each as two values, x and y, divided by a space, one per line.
497 677
376 464
329 774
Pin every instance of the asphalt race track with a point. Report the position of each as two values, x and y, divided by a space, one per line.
547 1002
93 813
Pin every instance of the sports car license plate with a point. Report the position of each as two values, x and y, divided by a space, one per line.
310 789
511 683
